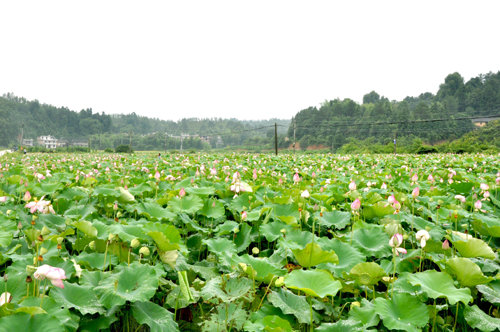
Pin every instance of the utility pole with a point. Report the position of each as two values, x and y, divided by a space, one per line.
395 135
276 138
130 140
294 141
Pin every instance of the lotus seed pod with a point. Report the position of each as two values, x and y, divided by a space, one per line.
279 282
135 243
43 251
111 236
60 240
92 245
255 250
35 260
144 251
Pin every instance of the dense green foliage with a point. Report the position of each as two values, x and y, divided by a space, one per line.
247 242
337 122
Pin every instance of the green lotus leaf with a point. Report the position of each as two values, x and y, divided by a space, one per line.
365 314
137 282
80 211
243 237
166 237
368 274
125 196
32 323
270 323
440 284
348 256
336 219
491 291
106 191
187 204
157 318
486 225
154 211
262 268
473 247
319 283
478 319
272 230
140 189
466 271
227 290
291 304
377 210
66 318
200 191
313 255
287 213
402 312
372 241
86 228
341 326
213 209
81 298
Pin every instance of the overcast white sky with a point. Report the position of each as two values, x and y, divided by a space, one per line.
242 59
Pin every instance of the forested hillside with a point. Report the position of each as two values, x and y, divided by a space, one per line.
107 131
432 118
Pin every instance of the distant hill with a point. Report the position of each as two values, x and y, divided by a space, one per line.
431 118
32 118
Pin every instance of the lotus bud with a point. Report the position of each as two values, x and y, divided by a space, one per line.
255 250
279 282
355 304
92 245
144 251
135 243
6 297
243 267
478 205
45 231
30 269
446 244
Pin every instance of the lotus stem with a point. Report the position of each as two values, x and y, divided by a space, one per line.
456 317
105 254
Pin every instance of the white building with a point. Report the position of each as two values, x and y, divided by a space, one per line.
49 142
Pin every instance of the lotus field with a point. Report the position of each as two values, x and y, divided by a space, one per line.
242 242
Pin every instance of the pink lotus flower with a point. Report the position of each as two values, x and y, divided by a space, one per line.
305 194
182 193
446 245
415 192
55 274
391 199
414 178
3 199
383 186
478 205
254 176
395 241
244 215
484 186
27 196
423 236
213 171
41 206
157 176
296 178
430 178
352 185
356 204
6 297
460 198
